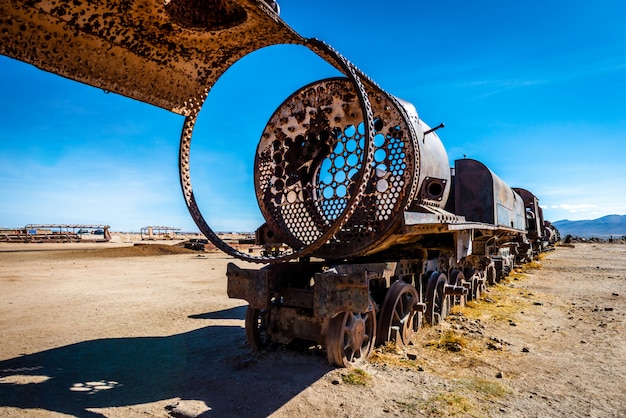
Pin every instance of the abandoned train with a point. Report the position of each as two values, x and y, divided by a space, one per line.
421 238
382 235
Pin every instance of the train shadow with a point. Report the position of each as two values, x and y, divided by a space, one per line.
238 312
212 364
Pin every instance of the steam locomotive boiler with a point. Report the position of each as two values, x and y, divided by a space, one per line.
382 234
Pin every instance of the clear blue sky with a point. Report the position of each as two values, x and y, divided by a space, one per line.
535 89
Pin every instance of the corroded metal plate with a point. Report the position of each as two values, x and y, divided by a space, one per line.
166 53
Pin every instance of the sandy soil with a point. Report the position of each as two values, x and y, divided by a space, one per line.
150 332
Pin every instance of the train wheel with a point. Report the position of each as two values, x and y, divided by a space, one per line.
437 304
471 274
445 302
476 287
457 278
491 274
470 293
257 321
399 319
350 338
483 286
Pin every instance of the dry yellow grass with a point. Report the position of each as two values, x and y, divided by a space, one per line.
464 398
502 303
449 341
486 387
391 355
450 404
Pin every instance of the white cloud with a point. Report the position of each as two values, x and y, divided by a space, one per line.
602 206
582 207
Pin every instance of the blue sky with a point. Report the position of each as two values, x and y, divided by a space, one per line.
536 90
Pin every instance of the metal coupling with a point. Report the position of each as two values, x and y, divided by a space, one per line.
454 290
420 307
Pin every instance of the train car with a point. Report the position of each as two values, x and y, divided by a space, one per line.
537 237
58 233
551 235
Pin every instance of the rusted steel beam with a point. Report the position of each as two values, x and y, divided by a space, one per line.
335 293
249 285
166 53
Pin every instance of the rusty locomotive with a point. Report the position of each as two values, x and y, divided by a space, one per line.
381 234
421 238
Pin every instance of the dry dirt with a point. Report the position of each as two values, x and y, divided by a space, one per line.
150 332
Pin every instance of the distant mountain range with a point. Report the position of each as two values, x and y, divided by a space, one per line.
605 227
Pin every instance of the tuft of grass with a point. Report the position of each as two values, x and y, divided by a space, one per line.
541 256
450 404
390 347
516 274
391 355
357 377
533 265
458 310
465 398
486 387
502 304
449 341
472 304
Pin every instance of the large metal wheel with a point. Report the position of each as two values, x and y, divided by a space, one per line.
476 287
350 338
471 275
446 301
257 321
399 317
491 274
295 197
457 278
437 303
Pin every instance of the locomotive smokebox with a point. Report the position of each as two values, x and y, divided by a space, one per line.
312 152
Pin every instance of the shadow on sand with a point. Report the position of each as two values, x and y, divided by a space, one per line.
211 364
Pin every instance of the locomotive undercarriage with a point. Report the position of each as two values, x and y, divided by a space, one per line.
349 307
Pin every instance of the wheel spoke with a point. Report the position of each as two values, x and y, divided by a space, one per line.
436 302
349 338
398 312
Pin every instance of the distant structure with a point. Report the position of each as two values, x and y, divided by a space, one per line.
57 233
158 232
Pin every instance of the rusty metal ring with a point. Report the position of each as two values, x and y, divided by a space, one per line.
348 69
411 128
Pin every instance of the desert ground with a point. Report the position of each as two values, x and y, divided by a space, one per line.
116 330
